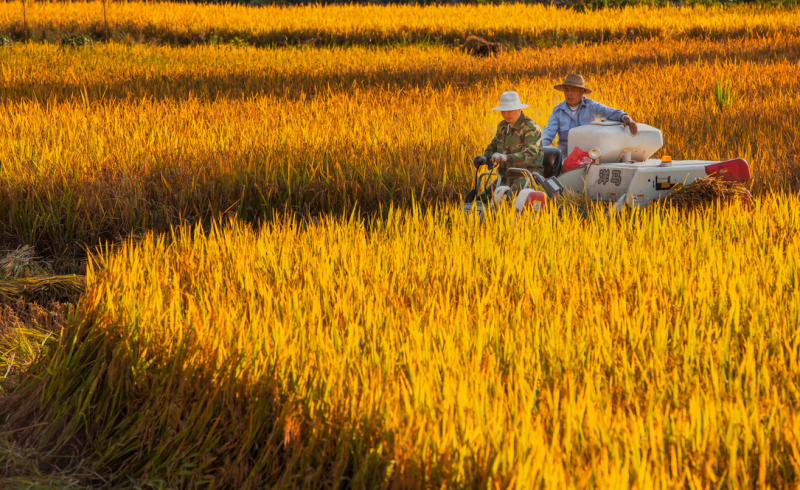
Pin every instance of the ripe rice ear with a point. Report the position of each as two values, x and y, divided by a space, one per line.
578 202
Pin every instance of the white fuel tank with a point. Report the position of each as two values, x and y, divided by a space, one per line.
615 142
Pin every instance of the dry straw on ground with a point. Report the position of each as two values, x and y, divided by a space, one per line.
21 275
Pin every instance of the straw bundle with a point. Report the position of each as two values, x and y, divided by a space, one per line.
21 274
50 286
21 263
703 192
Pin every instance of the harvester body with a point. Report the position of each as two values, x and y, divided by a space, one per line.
624 173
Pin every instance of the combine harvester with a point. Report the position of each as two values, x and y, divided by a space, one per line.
616 169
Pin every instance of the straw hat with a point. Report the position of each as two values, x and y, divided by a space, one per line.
509 101
574 81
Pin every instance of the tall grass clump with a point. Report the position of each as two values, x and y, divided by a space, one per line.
428 349
723 94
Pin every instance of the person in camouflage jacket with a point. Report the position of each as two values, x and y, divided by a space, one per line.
517 142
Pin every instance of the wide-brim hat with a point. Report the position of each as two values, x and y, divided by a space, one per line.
509 101
573 80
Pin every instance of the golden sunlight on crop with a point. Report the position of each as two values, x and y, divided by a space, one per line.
118 139
354 24
651 347
282 289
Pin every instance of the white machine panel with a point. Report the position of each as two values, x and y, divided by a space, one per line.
608 183
644 186
638 183
615 142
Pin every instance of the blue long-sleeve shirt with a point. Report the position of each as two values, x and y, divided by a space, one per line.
561 121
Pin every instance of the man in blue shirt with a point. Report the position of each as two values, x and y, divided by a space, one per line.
577 110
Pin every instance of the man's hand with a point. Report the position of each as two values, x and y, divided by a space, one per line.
479 161
499 158
627 122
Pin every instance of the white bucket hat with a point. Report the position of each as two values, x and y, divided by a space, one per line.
509 101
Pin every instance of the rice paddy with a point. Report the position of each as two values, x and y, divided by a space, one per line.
276 285
517 25
102 143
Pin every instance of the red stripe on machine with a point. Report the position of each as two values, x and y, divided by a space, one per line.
732 170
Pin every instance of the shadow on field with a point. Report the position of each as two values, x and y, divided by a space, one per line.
462 71
154 430
545 35
64 215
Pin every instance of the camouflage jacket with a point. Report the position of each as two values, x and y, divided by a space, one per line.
521 142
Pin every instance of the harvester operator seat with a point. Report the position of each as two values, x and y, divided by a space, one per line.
552 161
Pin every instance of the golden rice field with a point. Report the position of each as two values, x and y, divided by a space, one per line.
516 24
281 290
648 350
100 143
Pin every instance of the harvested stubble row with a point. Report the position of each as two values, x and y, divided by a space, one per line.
101 143
430 350
515 25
